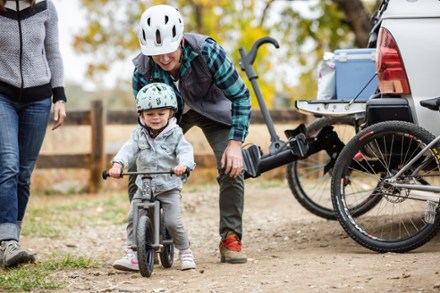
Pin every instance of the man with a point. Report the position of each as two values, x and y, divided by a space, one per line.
211 95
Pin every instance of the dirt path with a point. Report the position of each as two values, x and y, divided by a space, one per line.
289 250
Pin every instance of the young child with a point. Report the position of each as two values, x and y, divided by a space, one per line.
157 144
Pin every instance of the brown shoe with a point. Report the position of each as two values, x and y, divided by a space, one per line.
230 249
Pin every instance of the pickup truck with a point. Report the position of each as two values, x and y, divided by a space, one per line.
408 56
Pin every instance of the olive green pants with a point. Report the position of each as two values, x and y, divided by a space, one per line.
231 197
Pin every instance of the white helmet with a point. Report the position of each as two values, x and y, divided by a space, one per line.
156 95
160 30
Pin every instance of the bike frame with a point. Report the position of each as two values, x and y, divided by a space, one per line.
393 180
151 206
433 104
153 212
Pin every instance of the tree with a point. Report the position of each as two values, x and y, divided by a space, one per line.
305 30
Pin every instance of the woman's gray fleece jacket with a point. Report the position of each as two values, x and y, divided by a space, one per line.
31 66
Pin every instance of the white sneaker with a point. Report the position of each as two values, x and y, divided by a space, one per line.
128 263
187 261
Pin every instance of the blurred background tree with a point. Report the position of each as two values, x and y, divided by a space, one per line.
304 30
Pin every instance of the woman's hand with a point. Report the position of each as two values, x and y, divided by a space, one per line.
59 114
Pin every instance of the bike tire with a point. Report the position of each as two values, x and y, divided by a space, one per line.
144 241
397 223
307 181
167 251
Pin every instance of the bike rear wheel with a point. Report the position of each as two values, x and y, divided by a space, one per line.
397 223
144 242
306 178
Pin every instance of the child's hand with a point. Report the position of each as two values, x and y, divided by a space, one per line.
115 170
179 170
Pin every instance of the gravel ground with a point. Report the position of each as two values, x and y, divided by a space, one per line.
289 250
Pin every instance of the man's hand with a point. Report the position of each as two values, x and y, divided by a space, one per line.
232 159
59 114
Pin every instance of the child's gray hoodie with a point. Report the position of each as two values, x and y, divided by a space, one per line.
167 150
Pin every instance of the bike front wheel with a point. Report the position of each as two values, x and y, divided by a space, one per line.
144 241
397 223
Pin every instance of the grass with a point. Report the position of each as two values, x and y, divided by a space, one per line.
52 215
38 276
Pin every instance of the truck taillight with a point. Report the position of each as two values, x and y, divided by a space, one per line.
390 70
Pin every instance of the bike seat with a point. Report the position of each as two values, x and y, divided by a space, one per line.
432 104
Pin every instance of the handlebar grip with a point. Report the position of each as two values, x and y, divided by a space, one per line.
187 171
105 174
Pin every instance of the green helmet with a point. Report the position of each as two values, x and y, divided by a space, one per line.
156 96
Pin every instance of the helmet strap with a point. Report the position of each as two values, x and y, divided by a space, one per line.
181 47
154 133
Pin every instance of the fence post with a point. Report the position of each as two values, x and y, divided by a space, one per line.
97 156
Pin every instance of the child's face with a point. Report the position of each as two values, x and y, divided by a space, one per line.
156 119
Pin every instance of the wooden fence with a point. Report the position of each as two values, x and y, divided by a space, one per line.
97 117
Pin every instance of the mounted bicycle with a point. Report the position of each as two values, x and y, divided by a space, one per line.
398 164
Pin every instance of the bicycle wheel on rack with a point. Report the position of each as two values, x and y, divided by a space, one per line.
144 242
397 223
167 252
306 178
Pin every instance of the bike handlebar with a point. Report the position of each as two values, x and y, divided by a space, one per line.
105 173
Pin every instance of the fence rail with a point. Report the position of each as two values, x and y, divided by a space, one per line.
97 117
